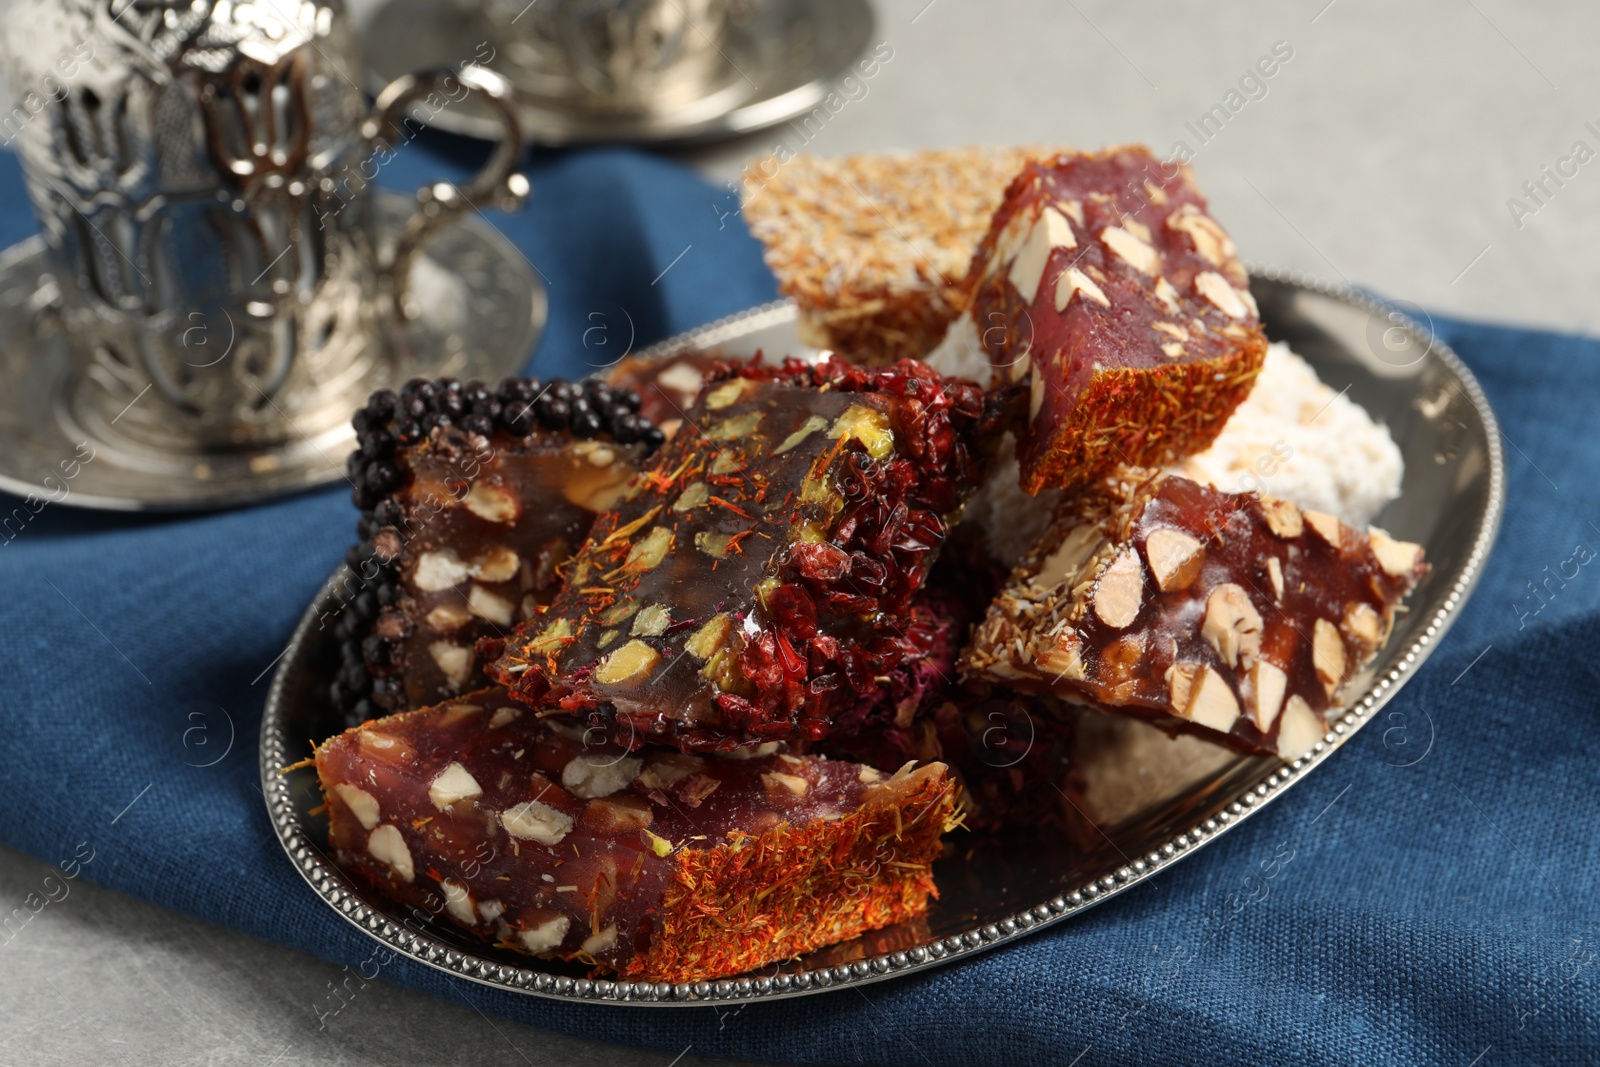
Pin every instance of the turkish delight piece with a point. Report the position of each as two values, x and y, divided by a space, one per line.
656 866
874 249
1236 614
1105 287
757 581
469 500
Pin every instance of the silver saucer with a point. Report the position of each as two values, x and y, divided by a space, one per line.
1186 792
779 61
480 310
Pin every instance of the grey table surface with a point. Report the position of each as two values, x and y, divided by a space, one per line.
1389 151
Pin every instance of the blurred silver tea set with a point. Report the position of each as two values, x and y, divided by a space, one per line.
218 282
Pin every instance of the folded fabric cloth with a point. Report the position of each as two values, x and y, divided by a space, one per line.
1430 913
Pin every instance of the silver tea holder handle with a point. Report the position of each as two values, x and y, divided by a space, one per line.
497 183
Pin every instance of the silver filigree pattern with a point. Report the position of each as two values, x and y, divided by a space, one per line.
216 269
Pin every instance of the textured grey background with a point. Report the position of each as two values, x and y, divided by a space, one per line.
1383 153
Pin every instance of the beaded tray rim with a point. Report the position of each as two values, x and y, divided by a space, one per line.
334 889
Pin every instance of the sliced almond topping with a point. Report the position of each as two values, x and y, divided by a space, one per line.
1363 622
1119 593
387 846
1217 289
504 716
1062 659
1067 559
617 815
1035 395
497 609
1172 350
533 821
1154 193
1050 231
1180 680
1138 229
1283 518
458 902
1172 329
604 941
1300 730
546 935
1328 655
447 618
361 803
1020 366
1138 254
1275 576
1175 558
438 571
668 769
1072 280
453 661
1328 527
1397 558
1167 294
1073 209
777 783
453 784
1264 694
385 747
1211 701
499 564
1210 239
599 776
682 378
1232 625
491 503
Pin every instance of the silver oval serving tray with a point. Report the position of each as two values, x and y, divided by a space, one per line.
996 889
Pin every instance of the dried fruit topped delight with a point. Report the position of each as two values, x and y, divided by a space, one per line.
874 248
658 867
756 581
470 497
1231 612
1105 287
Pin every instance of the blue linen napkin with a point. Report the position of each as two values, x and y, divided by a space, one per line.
1431 913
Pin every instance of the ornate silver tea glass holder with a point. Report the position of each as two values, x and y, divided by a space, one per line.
217 283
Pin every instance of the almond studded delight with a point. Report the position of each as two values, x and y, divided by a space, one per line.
874 248
656 866
757 580
1231 613
1107 291
470 498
